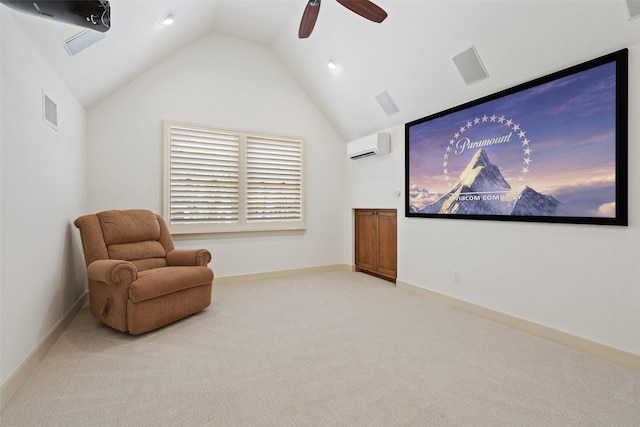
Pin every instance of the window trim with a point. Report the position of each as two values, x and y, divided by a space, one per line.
242 225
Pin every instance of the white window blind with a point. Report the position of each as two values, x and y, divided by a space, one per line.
274 179
228 181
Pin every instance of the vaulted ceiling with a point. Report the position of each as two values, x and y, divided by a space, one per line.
408 55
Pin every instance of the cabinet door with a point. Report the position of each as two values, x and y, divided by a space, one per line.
365 244
387 243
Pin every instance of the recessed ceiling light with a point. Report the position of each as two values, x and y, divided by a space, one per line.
167 20
333 66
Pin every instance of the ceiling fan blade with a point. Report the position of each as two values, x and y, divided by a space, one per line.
309 17
366 9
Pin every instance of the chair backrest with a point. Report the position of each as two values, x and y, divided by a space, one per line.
138 236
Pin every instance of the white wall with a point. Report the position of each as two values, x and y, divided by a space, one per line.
579 279
42 190
231 83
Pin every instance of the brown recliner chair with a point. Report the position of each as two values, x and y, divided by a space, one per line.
138 281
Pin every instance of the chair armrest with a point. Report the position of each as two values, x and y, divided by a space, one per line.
189 257
112 271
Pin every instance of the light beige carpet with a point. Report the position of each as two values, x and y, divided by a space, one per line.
333 349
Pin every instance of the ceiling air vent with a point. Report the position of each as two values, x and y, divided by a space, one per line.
634 8
387 103
82 40
469 66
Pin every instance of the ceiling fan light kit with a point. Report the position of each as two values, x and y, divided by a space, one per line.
364 8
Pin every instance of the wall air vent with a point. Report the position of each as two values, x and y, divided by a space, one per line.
49 111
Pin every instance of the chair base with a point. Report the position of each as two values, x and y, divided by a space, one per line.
145 316
152 314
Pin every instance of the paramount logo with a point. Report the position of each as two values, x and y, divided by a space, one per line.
465 143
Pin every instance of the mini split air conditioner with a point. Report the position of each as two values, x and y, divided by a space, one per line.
374 145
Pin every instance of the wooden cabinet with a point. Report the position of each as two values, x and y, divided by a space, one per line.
376 242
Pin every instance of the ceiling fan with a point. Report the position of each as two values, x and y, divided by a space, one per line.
364 8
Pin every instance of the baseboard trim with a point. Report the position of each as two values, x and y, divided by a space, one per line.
280 273
601 351
20 375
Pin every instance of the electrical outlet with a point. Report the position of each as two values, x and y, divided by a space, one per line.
456 276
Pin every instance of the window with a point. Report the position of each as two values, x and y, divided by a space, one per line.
220 180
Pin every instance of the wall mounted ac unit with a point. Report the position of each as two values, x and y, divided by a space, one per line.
374 145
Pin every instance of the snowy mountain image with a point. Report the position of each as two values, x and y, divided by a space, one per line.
534 203
482 190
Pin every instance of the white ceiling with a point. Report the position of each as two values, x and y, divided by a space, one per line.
409 54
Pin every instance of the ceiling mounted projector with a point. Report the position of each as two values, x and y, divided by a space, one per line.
93 14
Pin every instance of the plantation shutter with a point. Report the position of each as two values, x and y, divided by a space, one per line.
273 179
231 181
204 178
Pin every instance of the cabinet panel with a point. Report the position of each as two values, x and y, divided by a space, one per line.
387 243
376 242
365 247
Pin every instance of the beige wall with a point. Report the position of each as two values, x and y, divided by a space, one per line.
43 176
578 279
226 82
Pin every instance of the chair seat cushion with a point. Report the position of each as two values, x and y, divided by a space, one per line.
157 282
